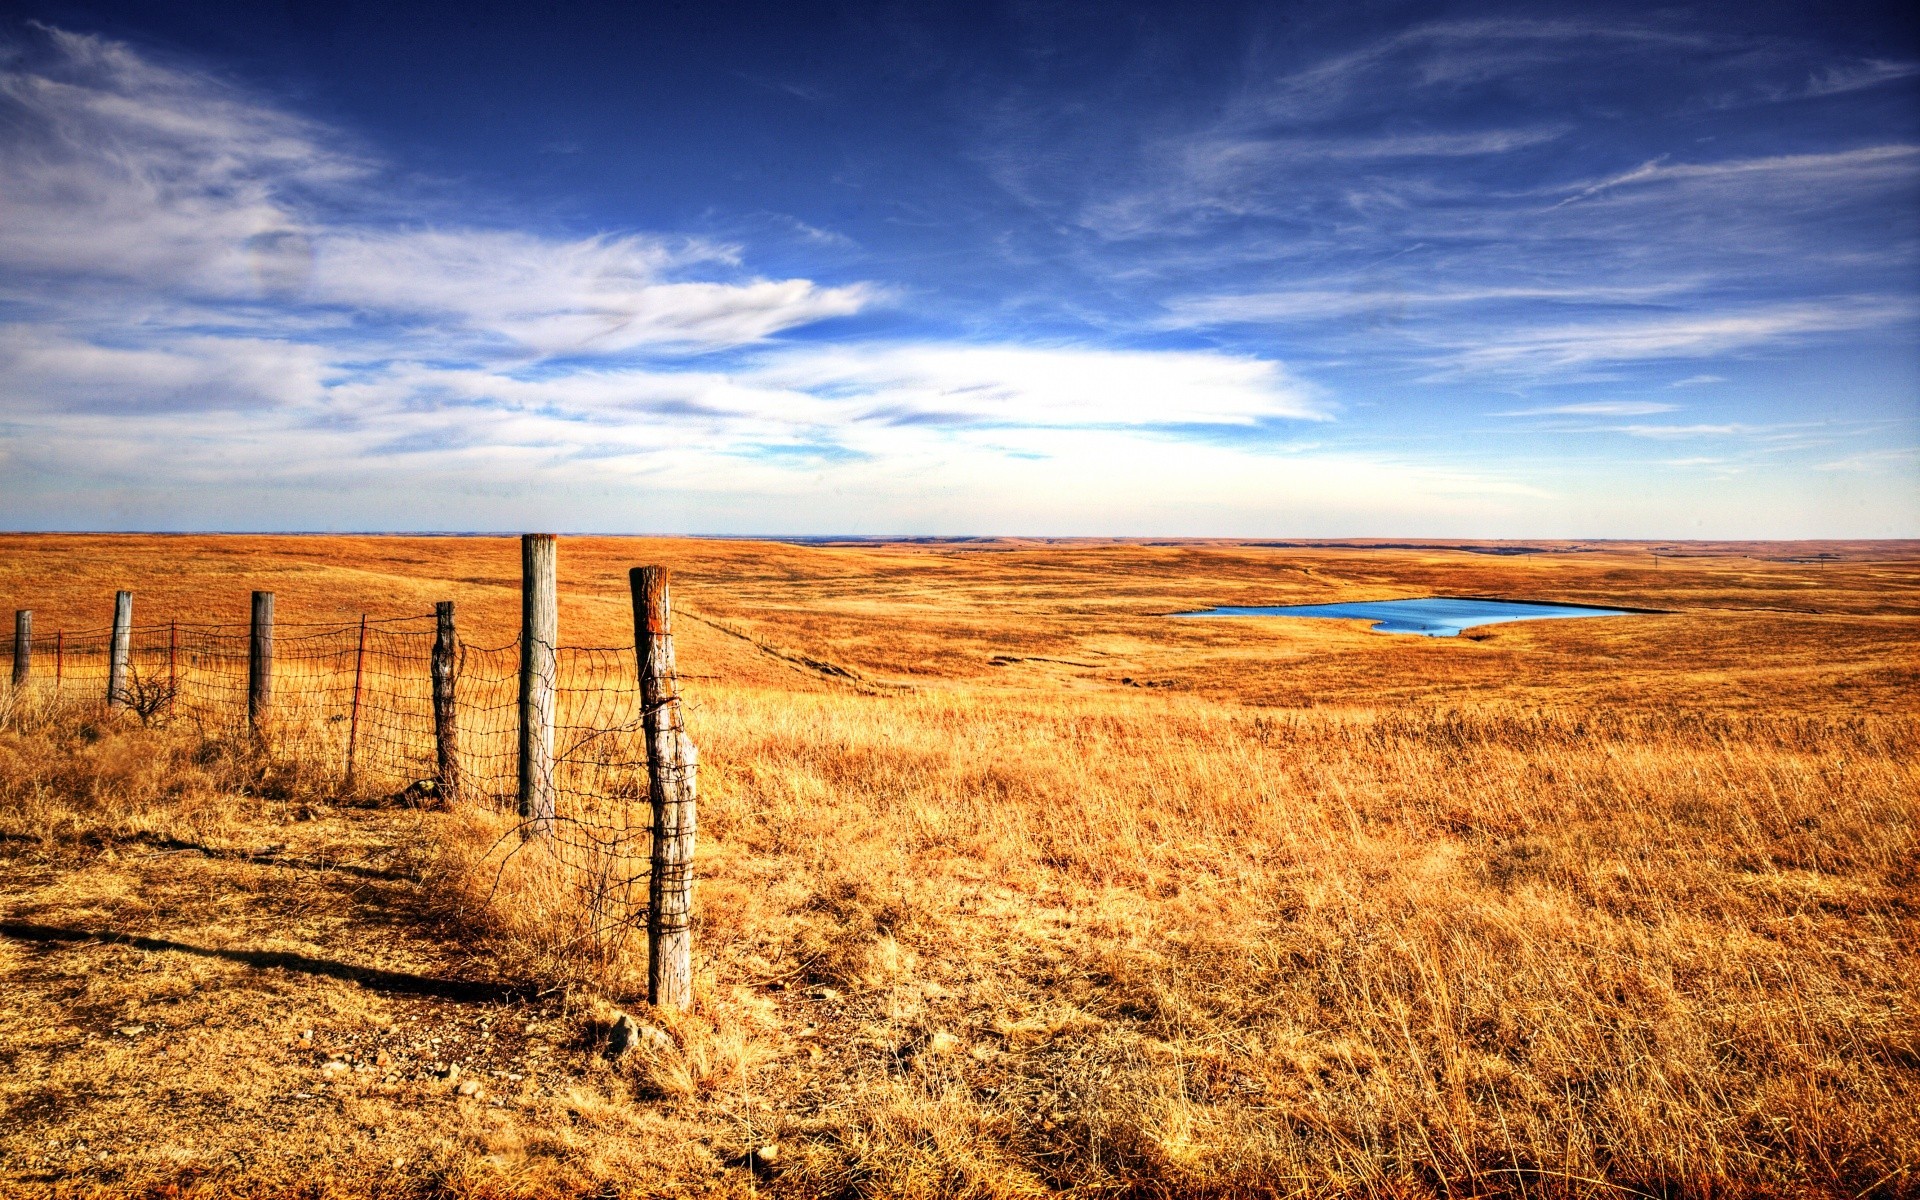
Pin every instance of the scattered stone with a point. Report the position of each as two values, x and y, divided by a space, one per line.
334 1067
824 993
306 1035
628 1033
768 1154
942 1042
469 1087
131 1030
450 1072
382 1059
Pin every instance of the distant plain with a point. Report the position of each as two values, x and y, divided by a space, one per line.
1010 883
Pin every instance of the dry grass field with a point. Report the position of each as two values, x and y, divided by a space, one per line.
1011 885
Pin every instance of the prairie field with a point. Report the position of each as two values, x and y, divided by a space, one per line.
1009 884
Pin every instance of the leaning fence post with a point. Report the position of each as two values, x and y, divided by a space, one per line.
446 729
353 715
671 769
119 650
22 647
539 634
260 661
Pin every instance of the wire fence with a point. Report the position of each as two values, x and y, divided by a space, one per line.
359 697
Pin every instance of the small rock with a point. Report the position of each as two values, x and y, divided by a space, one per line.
825 993
628 1033
336 1067
450 1072
306 1035
768 1154
942 1042
469 1087
131 1030
382 1059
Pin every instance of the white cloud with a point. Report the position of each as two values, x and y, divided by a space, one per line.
1673 432
45 370
181 188
1900 458
1323 303
1568 347
1697 380
1841 168
1596 408
589 296
959 385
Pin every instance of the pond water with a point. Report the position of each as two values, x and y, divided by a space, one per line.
1435 616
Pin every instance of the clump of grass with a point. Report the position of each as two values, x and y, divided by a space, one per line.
71 771
567 910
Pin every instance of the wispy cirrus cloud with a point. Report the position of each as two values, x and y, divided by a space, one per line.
180 188
1576 346
180 258
1594 408
1865 166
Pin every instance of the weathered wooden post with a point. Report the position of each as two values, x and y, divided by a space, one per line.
353 715
672 770
22 647
446 727
539 635
260 662
119 650
173 665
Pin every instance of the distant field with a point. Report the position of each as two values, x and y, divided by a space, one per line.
1010 883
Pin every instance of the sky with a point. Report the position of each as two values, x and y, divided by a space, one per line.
1238 270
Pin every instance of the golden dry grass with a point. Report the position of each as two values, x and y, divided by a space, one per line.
1592 908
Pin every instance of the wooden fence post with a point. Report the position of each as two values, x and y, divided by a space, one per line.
173 665
119 649
59 660
22 647
539 635
672 766
353 714
446 727
260 662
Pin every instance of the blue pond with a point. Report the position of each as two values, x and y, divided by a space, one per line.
1436 616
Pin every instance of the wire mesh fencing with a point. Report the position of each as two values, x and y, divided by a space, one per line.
358 698
360 701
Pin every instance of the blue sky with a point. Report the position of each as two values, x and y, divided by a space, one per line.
1313 270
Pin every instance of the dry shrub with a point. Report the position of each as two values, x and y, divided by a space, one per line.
73 771
566 910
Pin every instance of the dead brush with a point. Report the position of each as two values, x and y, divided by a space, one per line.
566 910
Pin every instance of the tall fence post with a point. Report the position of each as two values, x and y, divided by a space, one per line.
446 728
119 649
260 661
22 647
671 768
353 714
59 660
173 665
539 634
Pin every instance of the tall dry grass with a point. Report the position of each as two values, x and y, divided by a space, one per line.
1582 908
1112 944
